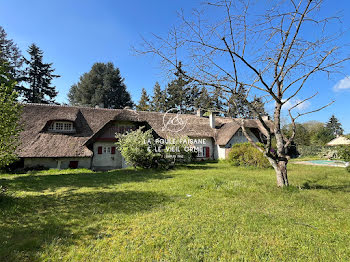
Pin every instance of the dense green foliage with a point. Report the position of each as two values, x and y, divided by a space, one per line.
238 108
10 55
158 100
103 85
245 154
344 153
38 75
138 148
9 118
312 133
334 126
178 151
201 212
144 103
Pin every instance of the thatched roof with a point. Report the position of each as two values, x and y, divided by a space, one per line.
341 140
37 142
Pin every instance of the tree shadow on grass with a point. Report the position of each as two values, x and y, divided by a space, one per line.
41 182
28 224
333 188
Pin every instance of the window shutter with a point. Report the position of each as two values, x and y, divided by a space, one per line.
99 150
207 153
113 150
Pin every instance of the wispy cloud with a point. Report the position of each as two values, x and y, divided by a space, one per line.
343 84
295 101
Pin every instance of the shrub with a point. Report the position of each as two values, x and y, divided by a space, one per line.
310 150
138 148
344 153
348 169
178 150
245 154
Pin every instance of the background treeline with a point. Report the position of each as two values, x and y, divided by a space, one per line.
314 132
183 94
104 86
32 76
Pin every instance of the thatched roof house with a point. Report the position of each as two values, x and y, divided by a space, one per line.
339 141
70 136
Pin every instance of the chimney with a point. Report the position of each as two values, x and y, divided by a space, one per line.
101 105
212 120
265 118
200 112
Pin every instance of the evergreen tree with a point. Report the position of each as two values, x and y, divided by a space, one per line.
158 99
334 126
102 85
144 103
194 98
259 106
238 107
204 100
178 93
10 57
38 76
217 101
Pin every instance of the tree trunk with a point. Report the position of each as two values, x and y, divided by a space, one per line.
281 174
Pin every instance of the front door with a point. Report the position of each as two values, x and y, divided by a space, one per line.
106 156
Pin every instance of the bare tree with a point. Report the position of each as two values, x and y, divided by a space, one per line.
272 54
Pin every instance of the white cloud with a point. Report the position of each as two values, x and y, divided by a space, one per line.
342 84
295 101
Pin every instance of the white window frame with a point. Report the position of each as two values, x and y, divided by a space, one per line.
107 150
200 152
61 126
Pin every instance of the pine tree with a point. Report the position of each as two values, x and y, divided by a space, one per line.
178 92
38 76
334 126
204 100
217 101
144 103
102 85
10 57
259 106
194 102
158 99
237 107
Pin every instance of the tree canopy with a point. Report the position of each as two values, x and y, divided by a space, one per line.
9 118
38 75
103 84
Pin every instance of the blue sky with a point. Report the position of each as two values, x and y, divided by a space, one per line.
76 34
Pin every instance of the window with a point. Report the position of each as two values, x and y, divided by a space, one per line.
200 152
106 149
61 126
68 126
239 132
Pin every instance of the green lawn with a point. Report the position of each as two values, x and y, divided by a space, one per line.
202 212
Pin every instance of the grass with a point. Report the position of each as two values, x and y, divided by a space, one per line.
200 212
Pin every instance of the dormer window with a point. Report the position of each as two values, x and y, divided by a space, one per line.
61 126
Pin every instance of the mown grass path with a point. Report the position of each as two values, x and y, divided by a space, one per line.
201 212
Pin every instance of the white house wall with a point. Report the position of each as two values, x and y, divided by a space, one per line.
236 139
60 163
107 159
209 142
